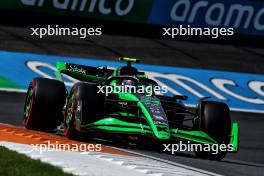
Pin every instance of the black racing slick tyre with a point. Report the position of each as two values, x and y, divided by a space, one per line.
215 120
44 104
84 105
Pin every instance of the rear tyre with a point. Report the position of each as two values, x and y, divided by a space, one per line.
85 105
216 122
45 99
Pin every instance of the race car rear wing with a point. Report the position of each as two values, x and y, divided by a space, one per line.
82 72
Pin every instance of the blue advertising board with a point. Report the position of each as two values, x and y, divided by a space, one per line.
245 16
242 92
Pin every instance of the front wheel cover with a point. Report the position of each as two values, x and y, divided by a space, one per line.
222 137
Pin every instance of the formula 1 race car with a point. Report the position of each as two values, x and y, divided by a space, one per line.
89 109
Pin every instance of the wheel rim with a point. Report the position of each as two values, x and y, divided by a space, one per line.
69 115
28 103
70 109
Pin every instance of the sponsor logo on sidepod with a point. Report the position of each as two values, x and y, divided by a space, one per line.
74 68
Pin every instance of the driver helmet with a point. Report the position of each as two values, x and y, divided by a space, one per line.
128 82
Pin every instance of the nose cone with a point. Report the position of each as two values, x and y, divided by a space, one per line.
163 132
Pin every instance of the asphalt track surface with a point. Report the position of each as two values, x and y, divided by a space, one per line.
249 160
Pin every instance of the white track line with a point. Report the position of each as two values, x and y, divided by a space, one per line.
103 164
13 90
170 162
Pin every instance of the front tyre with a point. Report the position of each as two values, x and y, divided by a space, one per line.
215 120
45 99
85 105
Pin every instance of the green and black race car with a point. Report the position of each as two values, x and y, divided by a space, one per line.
86 109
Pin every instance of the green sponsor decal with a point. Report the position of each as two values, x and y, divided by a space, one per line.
5 83
121 10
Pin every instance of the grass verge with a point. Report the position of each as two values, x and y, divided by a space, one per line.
15 164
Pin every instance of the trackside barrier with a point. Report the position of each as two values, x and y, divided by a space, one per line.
245 16
242 92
